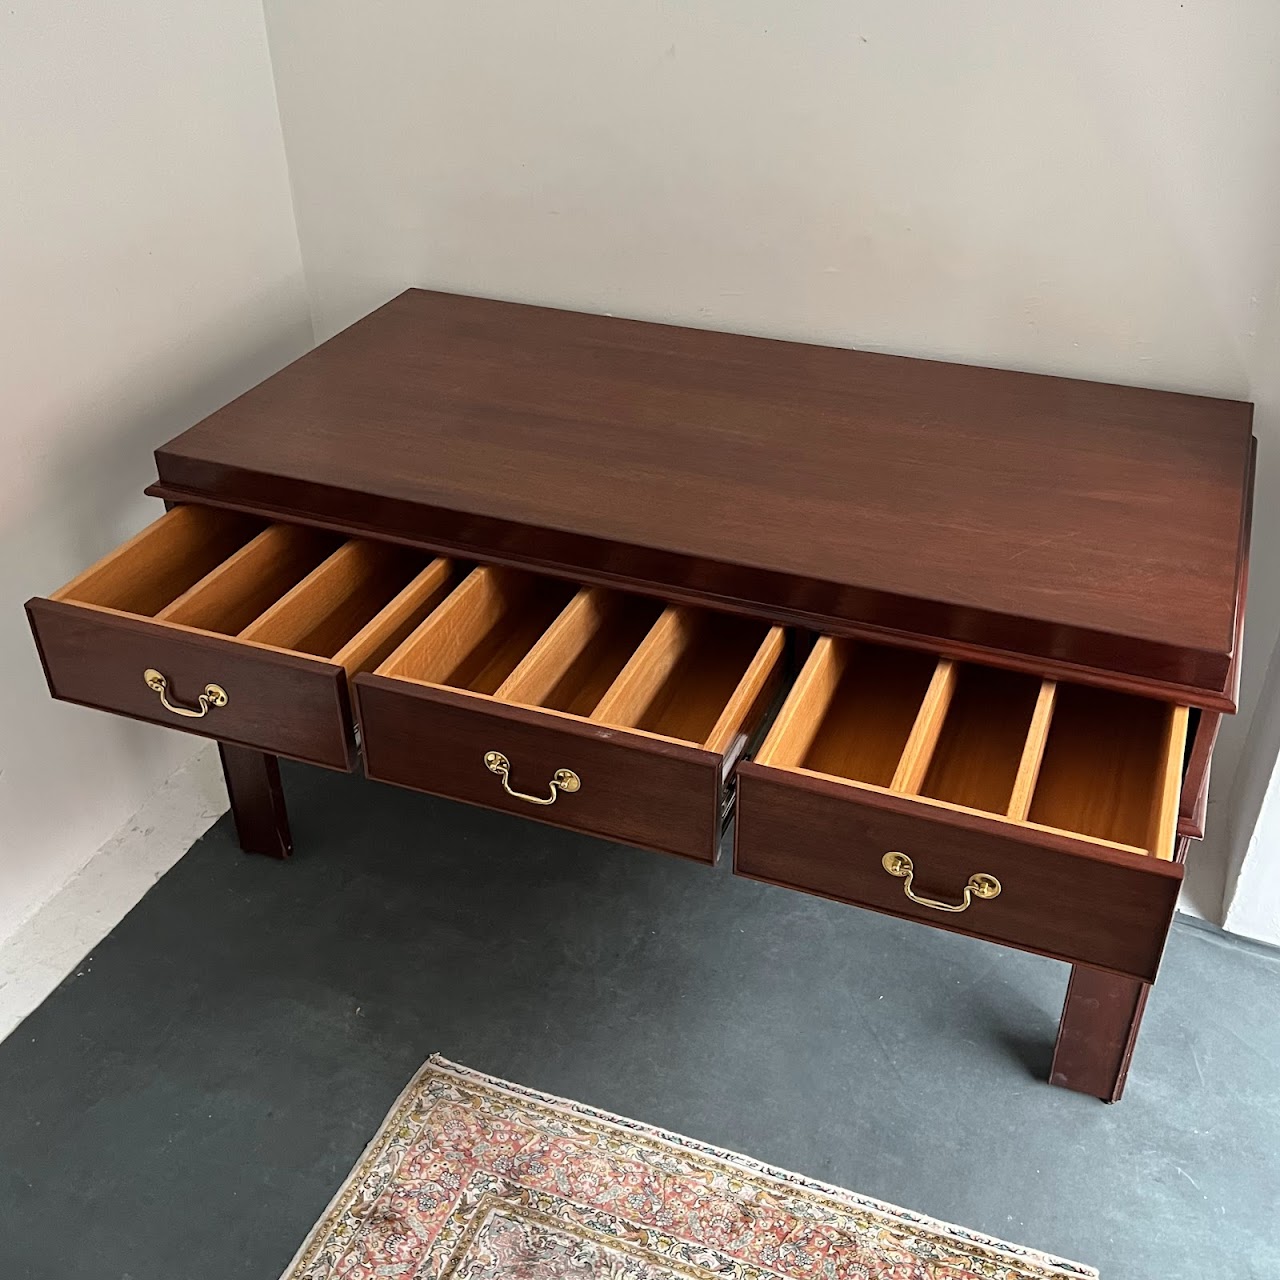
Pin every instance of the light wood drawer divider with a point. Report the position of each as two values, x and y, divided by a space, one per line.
989 802
597 710
211 623
986 741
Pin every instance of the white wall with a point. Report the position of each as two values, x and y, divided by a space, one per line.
1084 186
1253 823
149 272
1245 807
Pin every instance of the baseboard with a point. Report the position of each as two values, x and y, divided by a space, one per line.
1236 941
49 946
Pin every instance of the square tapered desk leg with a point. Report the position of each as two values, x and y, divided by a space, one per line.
257 800
1099 1027
1101 1018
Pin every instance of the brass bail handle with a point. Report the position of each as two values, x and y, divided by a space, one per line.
214 695
561 780
981 885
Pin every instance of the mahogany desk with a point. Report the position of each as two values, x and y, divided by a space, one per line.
956 641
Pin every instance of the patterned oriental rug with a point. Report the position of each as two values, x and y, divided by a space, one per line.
473 1178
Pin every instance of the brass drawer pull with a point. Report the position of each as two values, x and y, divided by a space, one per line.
981 885
214 695
562 779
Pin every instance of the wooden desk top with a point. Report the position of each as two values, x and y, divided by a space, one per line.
975 510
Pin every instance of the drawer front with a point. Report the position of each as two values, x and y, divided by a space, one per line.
635 789
281 703
1058 897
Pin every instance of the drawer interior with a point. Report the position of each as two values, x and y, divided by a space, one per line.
280 586
230 596
1100 783
979 748
159 564
685 674
328 612
870 708
576 660
1088 762
479 633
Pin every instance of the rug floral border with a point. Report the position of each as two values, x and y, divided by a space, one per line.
356 1200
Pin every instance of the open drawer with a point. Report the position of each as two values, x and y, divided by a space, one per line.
590 709
1038 815
221 625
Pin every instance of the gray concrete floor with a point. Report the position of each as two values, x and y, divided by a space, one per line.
186 1104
